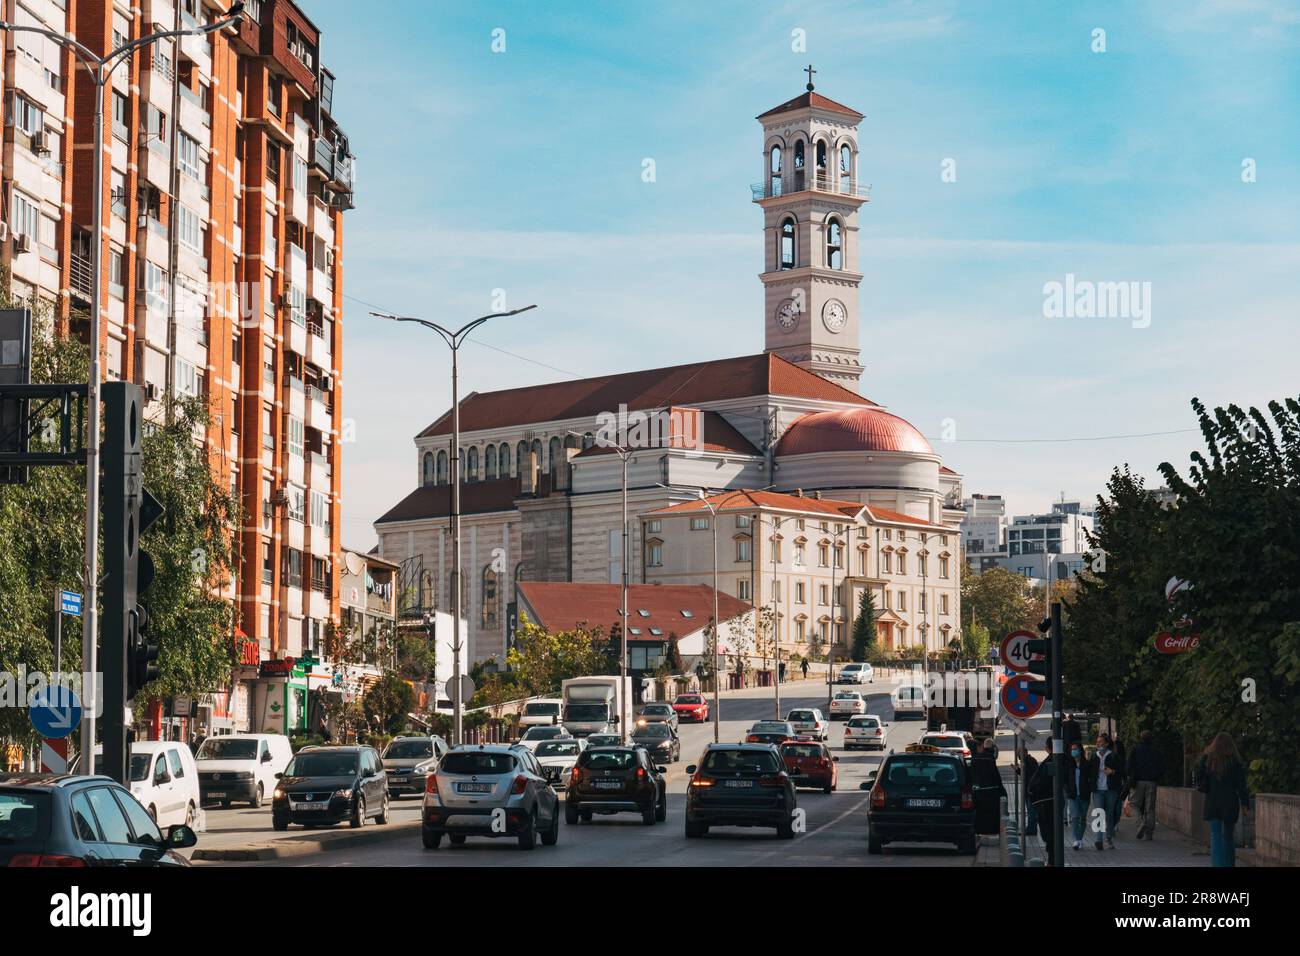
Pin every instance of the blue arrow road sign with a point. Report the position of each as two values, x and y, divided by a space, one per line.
70 602
55 712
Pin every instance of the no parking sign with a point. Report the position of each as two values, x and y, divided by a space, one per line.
1017 700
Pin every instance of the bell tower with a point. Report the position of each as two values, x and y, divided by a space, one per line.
810 196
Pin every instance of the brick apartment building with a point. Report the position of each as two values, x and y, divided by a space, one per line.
226 178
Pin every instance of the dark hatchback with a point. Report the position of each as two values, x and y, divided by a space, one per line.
327 785
740 785
659 740
921 796
57 820
616 780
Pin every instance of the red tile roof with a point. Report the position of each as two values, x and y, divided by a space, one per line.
816 100
476 497
561 606
895 517
728 501
945 470
719 436
699 382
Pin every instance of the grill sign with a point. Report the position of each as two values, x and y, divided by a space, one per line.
1169 643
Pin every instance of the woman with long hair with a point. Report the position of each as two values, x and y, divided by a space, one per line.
1221 776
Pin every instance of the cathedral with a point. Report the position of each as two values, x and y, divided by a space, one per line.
816 494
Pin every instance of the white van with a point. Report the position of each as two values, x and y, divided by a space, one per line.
909 701
164 778
542 712
241 767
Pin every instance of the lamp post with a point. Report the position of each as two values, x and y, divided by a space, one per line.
454 340
100 69
830 658
623 706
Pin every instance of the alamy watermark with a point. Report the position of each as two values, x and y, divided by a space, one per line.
662 428
1085 299
25 689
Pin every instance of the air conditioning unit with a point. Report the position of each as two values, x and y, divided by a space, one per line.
327 383
40 144
280 496
152 391
4 231
142 221
286 299
22 244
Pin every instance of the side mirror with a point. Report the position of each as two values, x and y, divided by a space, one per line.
873 774
181 837
279 776
691 768
865 785
661 769
836 759
266 758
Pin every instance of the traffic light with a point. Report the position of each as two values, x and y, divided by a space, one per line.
1040 660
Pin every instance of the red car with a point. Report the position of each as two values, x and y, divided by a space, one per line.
810 764
691 707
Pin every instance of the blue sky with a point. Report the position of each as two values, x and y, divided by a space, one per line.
521 171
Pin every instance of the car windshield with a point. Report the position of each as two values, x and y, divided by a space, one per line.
557 748
608 760
543 733
657 710
862 721
653 731
910 692
409 749
847 697
228 748
770 727
24 817
477 762
944 741
140 766
800 715
922 771
537 709
801 750
689 699
750 761
318 763
602 740
586 712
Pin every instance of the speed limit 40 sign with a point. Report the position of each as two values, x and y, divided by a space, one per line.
1015 650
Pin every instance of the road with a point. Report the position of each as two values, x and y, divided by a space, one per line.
835 833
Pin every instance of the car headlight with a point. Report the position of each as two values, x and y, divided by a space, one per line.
345 793
244 775
420 770
278 794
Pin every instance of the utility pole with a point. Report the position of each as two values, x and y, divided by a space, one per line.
1058 747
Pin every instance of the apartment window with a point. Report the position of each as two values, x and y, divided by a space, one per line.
189 157
744 549
269 243
744 521
823 594
902 564
268 569
27 217
943 566
189 229
839 556
115 273
186 380
293 567
799 632
887 562
943 604
798 552
297 506
154 282
268 440
319 575
799 524
902 600
117 193
742 589
26 115
922 565
653 527
295 432
121 117
862 563
823 555
273 87
297 305
920 602
699 524
299 175
776 550
654 554
799 597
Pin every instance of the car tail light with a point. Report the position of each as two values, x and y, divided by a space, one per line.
771 781
575 777
751 739
967 799
877 798
699 781
640 773
521 784
431 783
45 859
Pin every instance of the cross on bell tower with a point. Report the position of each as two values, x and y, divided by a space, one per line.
810 196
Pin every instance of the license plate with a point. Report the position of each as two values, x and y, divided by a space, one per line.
217 794
738 783
608 784
928 802
474 787
312 806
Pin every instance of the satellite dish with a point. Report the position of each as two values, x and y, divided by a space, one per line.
354 562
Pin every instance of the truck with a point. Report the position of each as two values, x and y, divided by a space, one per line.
981 722
593 705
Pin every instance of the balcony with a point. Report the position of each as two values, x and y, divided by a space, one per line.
80 276
776 186
318 413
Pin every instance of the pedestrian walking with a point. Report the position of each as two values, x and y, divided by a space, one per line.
803 666
1079 784
989 791
780 672
1221 776
1144 769
1107 773
1028 767
1042 794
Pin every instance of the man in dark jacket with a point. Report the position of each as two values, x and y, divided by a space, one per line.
1145 767
1106 772
988 788
1070 732
1027 768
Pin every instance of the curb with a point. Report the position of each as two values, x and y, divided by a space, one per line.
285 849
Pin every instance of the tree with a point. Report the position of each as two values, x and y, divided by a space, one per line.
541 660
997 599
864 628
975 642
387 703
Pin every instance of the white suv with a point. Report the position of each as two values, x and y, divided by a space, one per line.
856 674
809 722
866 731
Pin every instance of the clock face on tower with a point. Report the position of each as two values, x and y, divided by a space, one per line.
787 315
834 315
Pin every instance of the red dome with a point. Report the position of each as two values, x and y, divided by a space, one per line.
852 429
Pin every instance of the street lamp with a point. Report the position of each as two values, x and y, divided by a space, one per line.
830 662
100 70
454 340
624 453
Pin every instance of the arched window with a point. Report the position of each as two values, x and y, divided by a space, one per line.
490 463
798 155
846 168
537 450
787 251
503 460
521 458
426 469
471 465
588 440
834 244
821 154
442 468
553 454
488 593
775 171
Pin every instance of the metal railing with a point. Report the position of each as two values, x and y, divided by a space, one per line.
782 186
79 274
